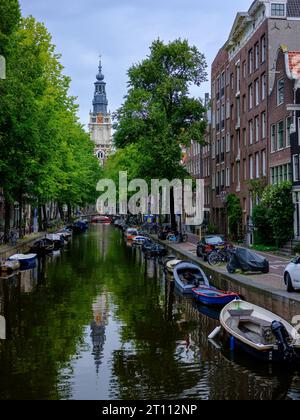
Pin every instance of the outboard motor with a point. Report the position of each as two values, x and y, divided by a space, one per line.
283 340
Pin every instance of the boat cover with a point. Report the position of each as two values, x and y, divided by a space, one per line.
247 260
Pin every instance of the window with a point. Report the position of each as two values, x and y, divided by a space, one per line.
245 169
263 125
273 138
238 110
263 44
278 9
228 140
244 69
257 129
250 61
264 163
296 168
257 165
280 92
238 77
238 144
228 109
227 177
263 87
251 96
251 172
289 122
251 132
256 92
280 135
257 56
238 175
232 174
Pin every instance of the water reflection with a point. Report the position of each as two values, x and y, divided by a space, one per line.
100 321
98 325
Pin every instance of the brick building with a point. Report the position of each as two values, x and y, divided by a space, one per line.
249 102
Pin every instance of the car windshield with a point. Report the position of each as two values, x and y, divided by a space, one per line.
214 240
132 232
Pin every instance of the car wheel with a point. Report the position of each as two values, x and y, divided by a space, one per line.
289 283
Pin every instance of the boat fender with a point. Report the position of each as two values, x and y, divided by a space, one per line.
232 343
283 338
215 333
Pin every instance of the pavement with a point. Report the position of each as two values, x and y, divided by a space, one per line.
271 284
277 267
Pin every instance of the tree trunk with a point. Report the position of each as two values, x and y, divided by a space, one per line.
69 213
21 232
45 218
61 210
7 209
40 218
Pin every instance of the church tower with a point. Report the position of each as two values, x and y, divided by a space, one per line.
100 126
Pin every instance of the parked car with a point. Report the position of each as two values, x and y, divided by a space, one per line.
209 244
131 234
292 275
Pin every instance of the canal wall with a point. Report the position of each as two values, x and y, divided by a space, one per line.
21 247
284 304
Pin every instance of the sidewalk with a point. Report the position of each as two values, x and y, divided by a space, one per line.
270 288
22 245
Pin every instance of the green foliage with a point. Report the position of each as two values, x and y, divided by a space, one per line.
235 215
297 249
45 154
158 115
10 16
261 221
263 248
212 229
273 219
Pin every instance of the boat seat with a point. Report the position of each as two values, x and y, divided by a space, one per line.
241 312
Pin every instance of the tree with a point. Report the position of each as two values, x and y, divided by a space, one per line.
45 153
10 18
235 215
158 116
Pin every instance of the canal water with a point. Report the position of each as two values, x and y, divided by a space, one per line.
99 322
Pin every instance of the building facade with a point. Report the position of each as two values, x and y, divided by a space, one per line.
100 125
250 122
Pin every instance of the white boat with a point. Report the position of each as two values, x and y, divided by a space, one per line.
170 265
260 332
27 261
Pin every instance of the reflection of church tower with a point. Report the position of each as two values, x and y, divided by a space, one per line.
100 125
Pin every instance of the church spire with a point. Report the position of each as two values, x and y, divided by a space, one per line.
100 101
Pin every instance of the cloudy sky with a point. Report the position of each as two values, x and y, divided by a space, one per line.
122 30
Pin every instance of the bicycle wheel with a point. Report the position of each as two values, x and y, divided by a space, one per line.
213 258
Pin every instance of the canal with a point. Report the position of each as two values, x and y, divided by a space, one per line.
99 322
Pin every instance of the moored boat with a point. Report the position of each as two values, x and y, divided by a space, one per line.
57 239
42 247
27 262
261 333
103 220
188 276
139 240
171 264
8 267
81 226
213 297
131 233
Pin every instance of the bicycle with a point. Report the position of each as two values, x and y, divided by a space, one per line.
220 256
